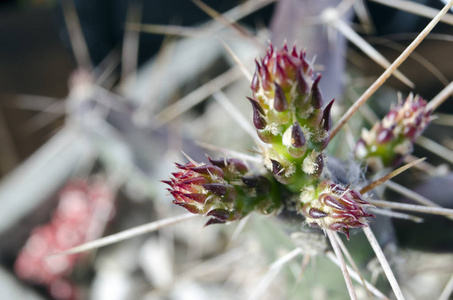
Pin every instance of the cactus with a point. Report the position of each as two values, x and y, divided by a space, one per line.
222 191
287 113
391 139
331 206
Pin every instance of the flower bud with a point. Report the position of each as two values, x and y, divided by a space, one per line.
222 190
287 113
331 206
389 140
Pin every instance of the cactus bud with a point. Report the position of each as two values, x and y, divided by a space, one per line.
316 96
258 115
221 191
386 144
287 112
331 206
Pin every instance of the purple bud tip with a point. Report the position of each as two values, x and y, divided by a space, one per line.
258 115
384 136
219 162
316 97
190 208
265 75
320 163
219 214
271 48
238 164
326 118
334 203
297 136
255 82
340 227
317 213
277 168
280 103
200 198
258 67
250 181
222 163
215 188
213 221
358 197
208 170
302 84
167 182
294 52
345 231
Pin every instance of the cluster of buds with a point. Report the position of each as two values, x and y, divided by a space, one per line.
288 115
386 144
331 206
80 216
221 190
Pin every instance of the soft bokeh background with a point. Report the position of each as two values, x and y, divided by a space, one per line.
114 133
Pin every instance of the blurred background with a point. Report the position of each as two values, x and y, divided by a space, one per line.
99 97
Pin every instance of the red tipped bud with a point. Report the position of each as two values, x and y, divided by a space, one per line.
316 213
326 118
297 136
390 140
215 188
279 172
316 96
208 170
219 214
258 115
255 83
213 221
336 208
302 85
280 103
